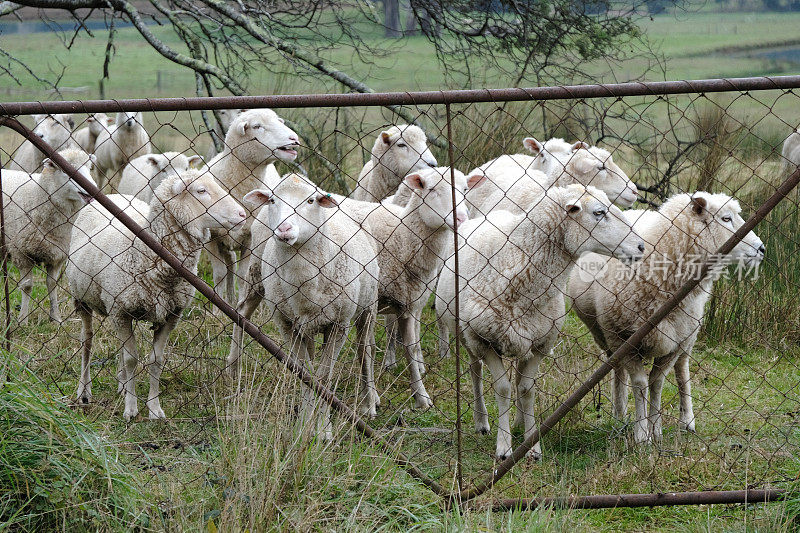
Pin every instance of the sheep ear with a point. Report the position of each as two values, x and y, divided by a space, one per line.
415 181
573 205
111 120
196 161
49 163
153 160
71 122
258 197
476 180
532 145
385 137
580 144
326 200
179 186
90 119
241 128
699 205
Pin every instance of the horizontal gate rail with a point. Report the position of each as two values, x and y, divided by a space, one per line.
614 90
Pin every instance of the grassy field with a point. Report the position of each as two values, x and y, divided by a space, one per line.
231 457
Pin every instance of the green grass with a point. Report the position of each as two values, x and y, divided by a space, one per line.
57 471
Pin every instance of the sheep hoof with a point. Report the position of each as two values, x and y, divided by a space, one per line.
687 426
390 365
482 430
423 401
502 456
534 456
130 415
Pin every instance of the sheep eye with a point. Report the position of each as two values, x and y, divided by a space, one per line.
272 200
599 213
601 167
256 126
727 218
401 145
201 190
310 201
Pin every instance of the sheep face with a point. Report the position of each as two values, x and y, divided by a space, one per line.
129 120
296 209
59 185
403 149
593 224
171 164
715 218
595 166
260 135
198 202
55 130
433 187
98 123
546 155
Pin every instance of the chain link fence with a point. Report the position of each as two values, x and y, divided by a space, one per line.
624 205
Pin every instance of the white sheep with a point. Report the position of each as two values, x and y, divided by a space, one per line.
117 145
114 274
790 154
144 174
397 152
411 244
614 301
516 181
227 116
513 272
39 211
320 274
255 139
55 130
87 137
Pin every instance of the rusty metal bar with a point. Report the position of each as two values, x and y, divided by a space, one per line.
610 90
633 341
452 163
4 261
606 501
271 346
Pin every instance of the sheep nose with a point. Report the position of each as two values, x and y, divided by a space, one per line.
461 218
762 250
294 138
284 227
634 190
242 214
432 164
641 247
40 135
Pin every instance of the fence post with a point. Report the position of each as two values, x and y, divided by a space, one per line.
4 261
457 332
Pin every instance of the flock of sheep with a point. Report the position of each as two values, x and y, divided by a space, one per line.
323 262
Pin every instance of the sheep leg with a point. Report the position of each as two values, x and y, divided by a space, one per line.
324 373
304 347
409 332
619 406
640 385
85 379
526 372
502 392
26 285
130 358
480 415
686 421
53 272
444 338
247 306
156 365
222 262
389 357
365 327
657 376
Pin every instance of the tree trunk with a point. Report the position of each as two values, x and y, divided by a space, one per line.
391 18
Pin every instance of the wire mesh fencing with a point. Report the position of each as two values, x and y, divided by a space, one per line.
453 304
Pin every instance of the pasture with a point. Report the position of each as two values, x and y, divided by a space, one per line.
229 457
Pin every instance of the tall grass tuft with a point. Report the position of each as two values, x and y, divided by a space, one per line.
718 134
56 471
